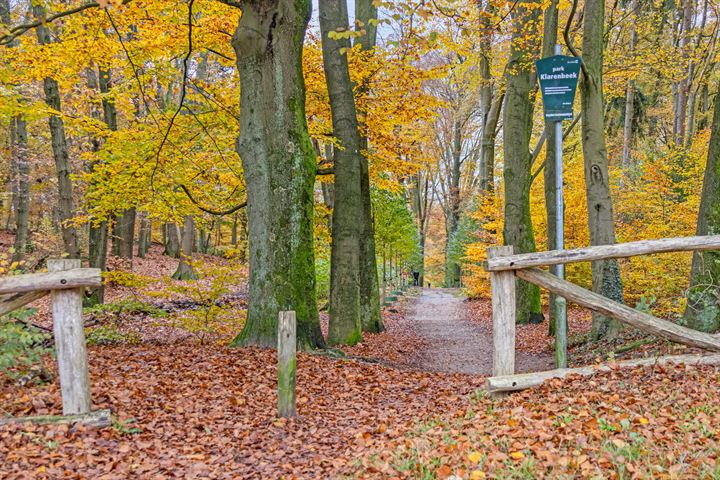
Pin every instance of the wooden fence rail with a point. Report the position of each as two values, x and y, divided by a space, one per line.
603 252
64 281
504 267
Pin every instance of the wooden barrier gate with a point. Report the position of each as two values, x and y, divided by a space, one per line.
64 281
504 266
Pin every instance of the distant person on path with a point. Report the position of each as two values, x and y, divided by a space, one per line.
416 277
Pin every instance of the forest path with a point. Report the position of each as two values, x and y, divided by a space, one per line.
454 342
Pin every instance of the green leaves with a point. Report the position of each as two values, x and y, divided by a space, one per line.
20 344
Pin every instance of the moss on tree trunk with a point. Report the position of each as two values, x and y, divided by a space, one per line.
279 166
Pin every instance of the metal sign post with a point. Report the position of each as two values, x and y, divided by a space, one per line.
558 77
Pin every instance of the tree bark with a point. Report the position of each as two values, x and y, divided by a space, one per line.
21 192
630 95
452 210
98 233
345 324
702 311
518 116
66 207
370 316
145 235
184 269
20 167
172 240
606 274
123 234
279 166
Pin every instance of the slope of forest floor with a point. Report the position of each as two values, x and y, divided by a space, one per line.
188 410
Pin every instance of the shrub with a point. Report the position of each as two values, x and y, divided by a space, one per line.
21 344
110 335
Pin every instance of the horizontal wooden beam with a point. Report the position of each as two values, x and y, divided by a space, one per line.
13 301
623 313
98 419
510 383
32 282
602 252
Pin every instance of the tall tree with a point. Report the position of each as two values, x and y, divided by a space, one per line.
366 14
279 166
98 232
491 100
63 169
605 273
518 122
20 165
702 311
634 7
345 325
184 269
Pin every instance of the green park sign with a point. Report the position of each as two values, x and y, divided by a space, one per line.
558 77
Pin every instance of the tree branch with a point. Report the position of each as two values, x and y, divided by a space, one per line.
21 29
209 210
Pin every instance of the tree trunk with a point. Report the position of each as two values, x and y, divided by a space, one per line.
184 269
279 166
490 106
702 311
606 274
66 208
98 233
519 100
487 145
172 240
370 316
630 95
145 235
123 234
550 28
21 166
452 211
21 192
682 87
345 324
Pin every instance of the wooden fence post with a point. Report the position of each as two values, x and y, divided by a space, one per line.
286 363
70 342
503 308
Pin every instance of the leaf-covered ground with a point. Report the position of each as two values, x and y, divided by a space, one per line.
182 410
640 423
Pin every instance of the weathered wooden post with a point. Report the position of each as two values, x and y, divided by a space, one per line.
503 309
70 342
286 364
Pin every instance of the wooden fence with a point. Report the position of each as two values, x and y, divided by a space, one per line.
64 282
504 266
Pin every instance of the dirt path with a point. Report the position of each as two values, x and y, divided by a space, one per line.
455 344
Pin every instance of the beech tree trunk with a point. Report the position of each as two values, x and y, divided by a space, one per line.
123 234
345 325
452 209
702 311
66 207
172 240
98 232
184 269
20 166
370 316
279 166
21 188
518 122
630 95
145 235
606 273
